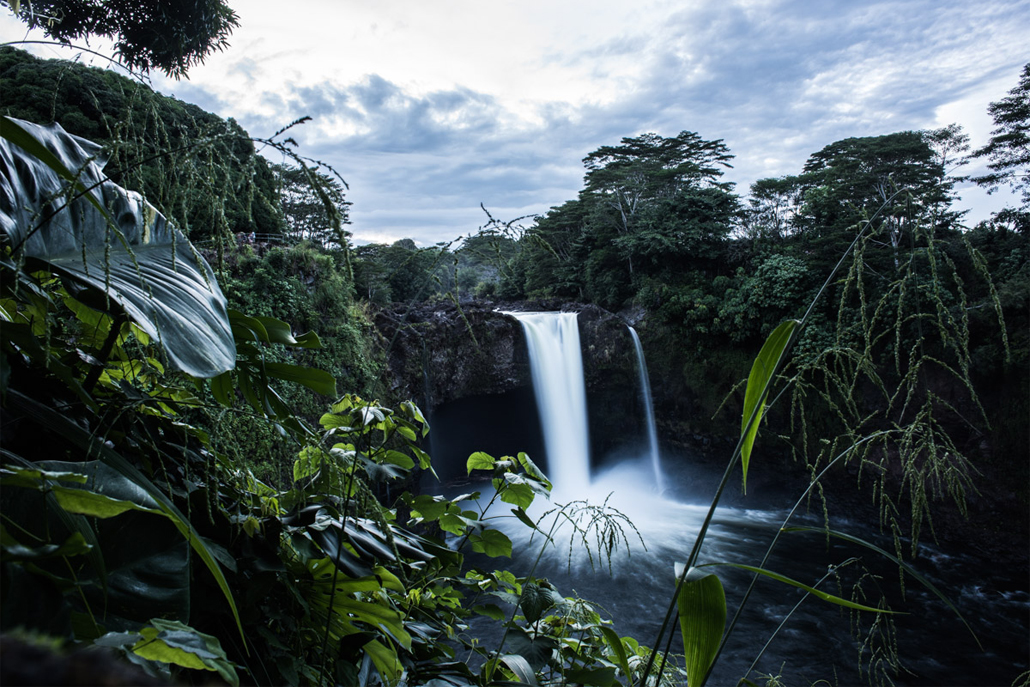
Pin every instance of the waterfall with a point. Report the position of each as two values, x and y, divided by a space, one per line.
645 392
557 366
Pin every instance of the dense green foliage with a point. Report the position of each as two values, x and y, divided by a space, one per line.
308 288
202 171
108 487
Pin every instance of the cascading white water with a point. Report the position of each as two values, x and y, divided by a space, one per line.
557 366
652 432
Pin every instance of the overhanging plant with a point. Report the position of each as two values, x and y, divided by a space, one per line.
698 593
91 273
58 210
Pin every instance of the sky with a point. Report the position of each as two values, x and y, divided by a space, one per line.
429 109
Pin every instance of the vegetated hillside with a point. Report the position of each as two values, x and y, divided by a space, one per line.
202 171
199 169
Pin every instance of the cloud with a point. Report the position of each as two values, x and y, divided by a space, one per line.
427 116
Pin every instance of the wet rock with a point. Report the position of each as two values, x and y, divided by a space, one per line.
441 352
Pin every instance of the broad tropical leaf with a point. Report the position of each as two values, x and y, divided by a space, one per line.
702 611
520 666
58 207
79 437
170 641
480 461
536 599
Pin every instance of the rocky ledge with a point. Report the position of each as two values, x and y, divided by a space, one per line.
442 352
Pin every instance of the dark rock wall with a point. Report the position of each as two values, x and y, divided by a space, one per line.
439 352
446 357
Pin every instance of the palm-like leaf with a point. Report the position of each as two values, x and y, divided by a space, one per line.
56 206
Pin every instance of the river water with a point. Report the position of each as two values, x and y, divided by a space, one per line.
820 641
661 510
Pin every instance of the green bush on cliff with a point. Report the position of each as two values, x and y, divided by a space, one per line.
307 287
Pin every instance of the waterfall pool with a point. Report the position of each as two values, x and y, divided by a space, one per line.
660 511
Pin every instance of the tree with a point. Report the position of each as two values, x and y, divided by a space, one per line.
1008 150
850 180
169 35
622 178
314 205
621 182
682 231
556 255
400 272
772 209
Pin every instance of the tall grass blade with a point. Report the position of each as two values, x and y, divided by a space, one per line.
758 382
800 585
902 564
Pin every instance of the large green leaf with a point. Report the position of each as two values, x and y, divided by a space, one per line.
94 505
385 660
515 489
63 426
480 461
106 238
14 552
313 378
170 641
702 610
536 599
615 642
331 602
758 383
520 666
269 330
148 562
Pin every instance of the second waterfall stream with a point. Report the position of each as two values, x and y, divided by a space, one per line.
556 362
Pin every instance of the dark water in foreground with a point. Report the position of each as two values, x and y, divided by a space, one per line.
817 642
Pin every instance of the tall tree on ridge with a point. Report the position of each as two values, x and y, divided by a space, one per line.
1008 150
622 179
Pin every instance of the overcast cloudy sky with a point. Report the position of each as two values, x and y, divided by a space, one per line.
430 108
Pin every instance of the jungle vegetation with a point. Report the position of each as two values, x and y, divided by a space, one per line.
243 509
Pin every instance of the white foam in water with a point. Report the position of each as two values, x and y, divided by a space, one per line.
664 526
628 489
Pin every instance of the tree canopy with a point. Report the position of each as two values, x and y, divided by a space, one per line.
168 35
1008 150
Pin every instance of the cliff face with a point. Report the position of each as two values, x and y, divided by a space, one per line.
472 357
439 353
